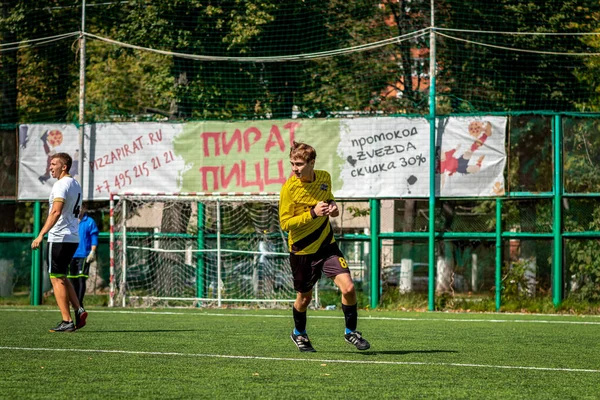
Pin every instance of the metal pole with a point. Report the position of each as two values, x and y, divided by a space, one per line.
557 265
498 278
432 143
35 297
124 252
82 99
219 283
200 256
111 299
375 227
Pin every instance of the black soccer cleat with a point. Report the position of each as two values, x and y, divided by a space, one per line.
302 342
80 317
64 327
357 340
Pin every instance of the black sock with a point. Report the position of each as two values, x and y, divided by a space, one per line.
351 316
81 290
75 283
299 320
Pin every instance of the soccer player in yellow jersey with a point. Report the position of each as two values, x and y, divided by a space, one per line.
305 205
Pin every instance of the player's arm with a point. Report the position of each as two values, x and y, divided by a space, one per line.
94 234
93 231
288 220
53 216
333 208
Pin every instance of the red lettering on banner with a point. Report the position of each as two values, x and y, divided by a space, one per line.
235 171
157 138
280 179
117 154
292 127
258 182
215 137
137 144
274 139
235 138
219 178
247 133
129 177
214 171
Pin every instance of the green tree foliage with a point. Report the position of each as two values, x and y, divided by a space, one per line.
44 71
478 78
217 28
123 84
581 158
391 78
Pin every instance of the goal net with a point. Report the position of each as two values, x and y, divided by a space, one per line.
202 251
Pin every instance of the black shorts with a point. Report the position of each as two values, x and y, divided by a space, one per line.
307 269
79 268
59 258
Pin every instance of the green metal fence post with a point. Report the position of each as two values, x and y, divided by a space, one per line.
557 264
375 267
498 278
432 143
200 256
35 291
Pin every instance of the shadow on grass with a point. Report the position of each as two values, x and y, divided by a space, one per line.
142 331
398 352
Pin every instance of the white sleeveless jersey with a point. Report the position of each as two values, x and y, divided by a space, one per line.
66 229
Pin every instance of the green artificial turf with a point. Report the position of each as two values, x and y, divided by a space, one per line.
214 353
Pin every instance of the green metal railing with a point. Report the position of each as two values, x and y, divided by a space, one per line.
556 234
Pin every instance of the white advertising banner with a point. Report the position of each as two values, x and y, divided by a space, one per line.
135 158
37 145
366 157
471 156
387 156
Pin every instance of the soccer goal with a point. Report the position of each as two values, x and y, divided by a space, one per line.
179 250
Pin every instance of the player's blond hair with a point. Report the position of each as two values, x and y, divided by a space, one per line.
303 151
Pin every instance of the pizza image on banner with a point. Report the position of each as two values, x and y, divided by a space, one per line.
54 138
38 144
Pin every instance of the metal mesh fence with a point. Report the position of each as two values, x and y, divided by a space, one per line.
227 60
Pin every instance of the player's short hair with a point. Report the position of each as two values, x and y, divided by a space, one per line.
65 158
303 151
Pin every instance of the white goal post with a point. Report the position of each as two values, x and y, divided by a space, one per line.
189 249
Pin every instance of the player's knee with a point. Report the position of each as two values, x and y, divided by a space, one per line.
348 289
305 301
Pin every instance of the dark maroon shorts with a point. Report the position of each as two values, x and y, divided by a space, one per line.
307 269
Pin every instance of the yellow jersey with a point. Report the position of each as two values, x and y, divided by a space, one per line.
306 235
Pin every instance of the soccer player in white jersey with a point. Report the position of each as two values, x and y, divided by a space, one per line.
62 227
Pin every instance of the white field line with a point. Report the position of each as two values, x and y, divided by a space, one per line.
430 364
362 318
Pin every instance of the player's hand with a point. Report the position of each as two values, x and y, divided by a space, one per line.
333 209
36 243
91 257
321 209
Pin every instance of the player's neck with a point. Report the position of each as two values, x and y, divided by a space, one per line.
312 178
62 175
